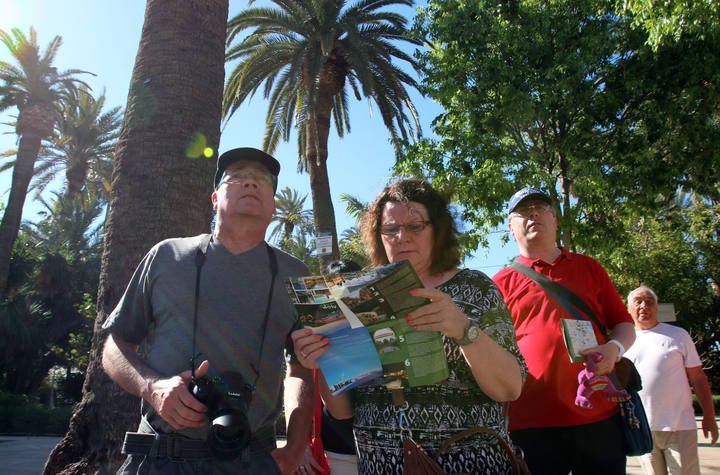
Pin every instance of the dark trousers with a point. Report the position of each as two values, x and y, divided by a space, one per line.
589 449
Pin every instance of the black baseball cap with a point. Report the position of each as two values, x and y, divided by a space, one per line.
250 154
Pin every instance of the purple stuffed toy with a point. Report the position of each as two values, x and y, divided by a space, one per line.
589 382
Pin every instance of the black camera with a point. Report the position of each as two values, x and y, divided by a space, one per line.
227 411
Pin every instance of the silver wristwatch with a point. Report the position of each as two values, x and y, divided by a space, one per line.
472 333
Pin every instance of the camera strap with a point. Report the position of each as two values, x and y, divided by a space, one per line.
199 262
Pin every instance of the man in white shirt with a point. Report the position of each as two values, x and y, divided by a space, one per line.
668 362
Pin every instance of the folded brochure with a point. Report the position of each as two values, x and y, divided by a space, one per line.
363 316
578 335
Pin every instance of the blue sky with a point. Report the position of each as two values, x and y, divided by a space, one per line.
102 36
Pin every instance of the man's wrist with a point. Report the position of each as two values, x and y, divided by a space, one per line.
620 347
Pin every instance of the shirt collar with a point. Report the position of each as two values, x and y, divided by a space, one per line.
564 254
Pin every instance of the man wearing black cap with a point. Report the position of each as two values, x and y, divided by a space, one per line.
213 317
556 435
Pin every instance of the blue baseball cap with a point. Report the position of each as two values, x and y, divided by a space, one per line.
525 193
250 154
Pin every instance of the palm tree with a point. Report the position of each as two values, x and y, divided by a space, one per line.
351 244
83 145
354 206
39 91
64 246
353 248
309 54
300 246
68 226
159 190
289 213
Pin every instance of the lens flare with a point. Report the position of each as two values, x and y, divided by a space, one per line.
197 145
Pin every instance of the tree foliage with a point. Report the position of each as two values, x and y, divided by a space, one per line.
677 256
668 21
289 214
55 266
572 97
295 233
351 244
82 145
39 91
565 96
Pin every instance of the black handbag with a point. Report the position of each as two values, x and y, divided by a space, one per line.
638 438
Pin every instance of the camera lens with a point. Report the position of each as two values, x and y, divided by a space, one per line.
229 434
226 426
229 429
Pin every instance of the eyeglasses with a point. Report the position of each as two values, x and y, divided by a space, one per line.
526 210
243 176
412 228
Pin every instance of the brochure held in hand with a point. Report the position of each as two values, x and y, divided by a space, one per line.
363 316
578 335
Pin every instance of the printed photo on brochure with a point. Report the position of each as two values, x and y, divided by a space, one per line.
363 316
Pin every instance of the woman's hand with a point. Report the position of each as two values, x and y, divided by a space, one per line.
308 465
308 347
440 315
495 370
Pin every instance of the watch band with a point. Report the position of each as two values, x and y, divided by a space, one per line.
470 334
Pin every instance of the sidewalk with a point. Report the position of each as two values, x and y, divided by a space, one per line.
20 455
709 456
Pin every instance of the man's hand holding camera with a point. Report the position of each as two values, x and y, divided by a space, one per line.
172 400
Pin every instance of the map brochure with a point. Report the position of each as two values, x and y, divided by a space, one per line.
578 335
363 316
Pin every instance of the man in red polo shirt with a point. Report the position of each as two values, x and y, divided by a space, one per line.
556 435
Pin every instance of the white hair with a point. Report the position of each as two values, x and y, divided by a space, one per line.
642 288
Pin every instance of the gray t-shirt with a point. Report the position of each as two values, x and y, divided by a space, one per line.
156 311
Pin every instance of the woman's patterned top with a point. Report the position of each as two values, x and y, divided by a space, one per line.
437 412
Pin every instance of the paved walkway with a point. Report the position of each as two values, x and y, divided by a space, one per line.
709 456
26 455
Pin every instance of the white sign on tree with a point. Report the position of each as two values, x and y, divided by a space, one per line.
323 244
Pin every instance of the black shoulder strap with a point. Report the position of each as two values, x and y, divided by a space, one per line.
273 275
199 261
273 260
565 297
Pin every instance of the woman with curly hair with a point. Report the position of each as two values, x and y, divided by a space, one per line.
410 220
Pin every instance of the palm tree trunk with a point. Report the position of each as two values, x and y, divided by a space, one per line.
157 192
75 177
28 149
317 154
288 229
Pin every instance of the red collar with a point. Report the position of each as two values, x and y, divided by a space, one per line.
564 254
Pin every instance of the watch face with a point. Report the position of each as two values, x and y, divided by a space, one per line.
473 333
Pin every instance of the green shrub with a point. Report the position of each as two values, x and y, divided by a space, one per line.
19 415
716 404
